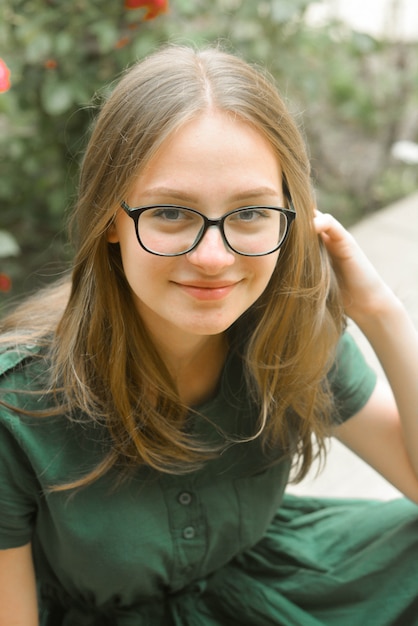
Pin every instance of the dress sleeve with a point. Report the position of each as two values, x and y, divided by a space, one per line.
17 493
352 380
18 484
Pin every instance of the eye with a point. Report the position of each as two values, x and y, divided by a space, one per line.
251 215
170 214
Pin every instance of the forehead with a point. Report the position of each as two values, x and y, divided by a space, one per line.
213 152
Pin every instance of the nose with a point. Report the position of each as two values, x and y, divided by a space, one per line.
212 254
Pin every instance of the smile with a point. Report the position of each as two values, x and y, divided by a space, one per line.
207 291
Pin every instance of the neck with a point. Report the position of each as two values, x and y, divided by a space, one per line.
196 367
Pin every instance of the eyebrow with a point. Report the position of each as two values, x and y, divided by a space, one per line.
247 194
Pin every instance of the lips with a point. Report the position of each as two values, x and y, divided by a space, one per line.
208 284
208 290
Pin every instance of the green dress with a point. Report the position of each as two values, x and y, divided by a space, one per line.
221 546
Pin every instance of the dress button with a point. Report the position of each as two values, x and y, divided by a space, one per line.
189 532
185 498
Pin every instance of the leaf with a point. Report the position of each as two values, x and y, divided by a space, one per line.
8 244
107 35
56 97
38 48
283 11
64 43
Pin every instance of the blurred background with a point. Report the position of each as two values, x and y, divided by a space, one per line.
348 70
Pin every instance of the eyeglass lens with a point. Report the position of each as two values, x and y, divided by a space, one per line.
173 230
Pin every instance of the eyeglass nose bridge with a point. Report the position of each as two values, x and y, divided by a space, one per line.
211 223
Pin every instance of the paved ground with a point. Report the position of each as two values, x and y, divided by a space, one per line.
390 239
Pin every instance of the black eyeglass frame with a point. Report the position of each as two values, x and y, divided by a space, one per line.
135 213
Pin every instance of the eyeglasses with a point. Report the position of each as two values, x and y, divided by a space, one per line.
171 230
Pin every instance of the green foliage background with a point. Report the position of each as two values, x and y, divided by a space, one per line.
354 97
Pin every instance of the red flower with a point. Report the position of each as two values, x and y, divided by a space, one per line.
123 41
5 283
50 64
4 77
154 7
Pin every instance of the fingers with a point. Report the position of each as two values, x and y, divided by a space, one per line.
325 223
339 242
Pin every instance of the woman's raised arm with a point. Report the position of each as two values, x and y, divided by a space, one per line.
385 432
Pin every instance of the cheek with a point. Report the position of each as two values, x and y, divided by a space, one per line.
145 273
266 272
133 264
123 232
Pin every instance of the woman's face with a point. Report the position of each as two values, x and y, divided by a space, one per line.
214 163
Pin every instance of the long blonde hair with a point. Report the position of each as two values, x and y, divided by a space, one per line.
103 362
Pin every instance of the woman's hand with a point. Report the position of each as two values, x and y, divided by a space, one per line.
364 292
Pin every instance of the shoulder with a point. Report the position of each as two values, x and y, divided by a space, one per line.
351 379
18 438
37 435
22 367
13 357
349 361
24 382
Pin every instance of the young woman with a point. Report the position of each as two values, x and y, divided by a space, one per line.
154 404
